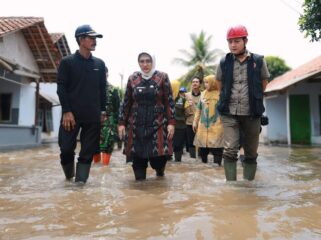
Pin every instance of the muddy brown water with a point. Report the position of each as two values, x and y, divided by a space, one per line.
192 201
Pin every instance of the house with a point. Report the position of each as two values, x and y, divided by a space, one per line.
293 105
29 57
49 105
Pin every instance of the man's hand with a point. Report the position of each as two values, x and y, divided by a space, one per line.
170 130
68 121
121 132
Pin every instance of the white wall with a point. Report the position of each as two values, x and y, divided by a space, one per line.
276 131
27 104
15 48
51 88
56 116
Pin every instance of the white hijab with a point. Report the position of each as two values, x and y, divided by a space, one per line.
148 75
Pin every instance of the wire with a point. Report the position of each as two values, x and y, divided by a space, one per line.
291 7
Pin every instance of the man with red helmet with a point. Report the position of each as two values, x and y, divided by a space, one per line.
242 78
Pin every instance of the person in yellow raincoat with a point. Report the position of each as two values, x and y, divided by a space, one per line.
207 123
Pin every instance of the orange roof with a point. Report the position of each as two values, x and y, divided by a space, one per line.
289 78
56 36
39 41
60 41
12 24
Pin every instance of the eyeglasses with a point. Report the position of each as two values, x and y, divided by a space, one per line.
148 61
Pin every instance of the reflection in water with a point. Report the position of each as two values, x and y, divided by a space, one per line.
193 201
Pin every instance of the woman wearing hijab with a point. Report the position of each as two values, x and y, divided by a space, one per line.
147 114
207 123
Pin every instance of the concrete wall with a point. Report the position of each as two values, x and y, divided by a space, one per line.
13 136
27 104
276 131
15 48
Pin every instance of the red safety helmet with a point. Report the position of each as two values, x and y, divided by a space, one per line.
238 31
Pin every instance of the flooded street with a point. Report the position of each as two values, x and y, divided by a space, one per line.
192 201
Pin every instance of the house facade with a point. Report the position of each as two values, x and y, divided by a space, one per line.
29 57
293 105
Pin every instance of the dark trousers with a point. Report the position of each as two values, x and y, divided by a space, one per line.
155 162
89 140
190 136
217 153
179 139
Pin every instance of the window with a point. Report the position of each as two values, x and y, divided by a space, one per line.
5 107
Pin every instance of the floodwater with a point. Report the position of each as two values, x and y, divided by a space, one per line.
192 201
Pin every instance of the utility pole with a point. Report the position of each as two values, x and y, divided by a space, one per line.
121 74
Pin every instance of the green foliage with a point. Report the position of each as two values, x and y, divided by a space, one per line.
200 59
200 52
121 92
276 66
310 20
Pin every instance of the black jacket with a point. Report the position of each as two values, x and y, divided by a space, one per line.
81 87
254 66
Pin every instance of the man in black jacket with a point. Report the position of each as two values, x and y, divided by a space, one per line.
81 87
242 78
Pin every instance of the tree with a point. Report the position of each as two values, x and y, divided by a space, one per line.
200 52
276 66
310 20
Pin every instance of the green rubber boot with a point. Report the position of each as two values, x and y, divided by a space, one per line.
192 152
249 171
82 172
230 171
69 170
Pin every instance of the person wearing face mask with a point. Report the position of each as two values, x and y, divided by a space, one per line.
147 118
242 78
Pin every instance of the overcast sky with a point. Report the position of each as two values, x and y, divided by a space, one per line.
164 26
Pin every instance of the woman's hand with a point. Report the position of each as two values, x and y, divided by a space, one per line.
121 132
68 121
170 130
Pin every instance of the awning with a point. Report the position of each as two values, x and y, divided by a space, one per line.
53 98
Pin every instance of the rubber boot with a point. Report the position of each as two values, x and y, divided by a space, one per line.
160 172
69 170
230 171
218 159
178 156
105 158
96 158
192 152
249 171
140 173
204 157
82 172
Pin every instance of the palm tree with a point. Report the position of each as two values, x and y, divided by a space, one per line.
200 52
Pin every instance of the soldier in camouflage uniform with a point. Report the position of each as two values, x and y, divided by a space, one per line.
108 133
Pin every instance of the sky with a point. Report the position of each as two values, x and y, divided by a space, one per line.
163 27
